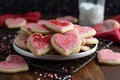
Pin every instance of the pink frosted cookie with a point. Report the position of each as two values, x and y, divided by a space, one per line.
27 28
13 64
39 44
67 43
109 25
85 31
91 40
59 25
41 27
15 23
107 56
21 41
68 18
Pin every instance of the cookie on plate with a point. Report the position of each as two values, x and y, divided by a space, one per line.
84 48
27 28
91 40
68 18
41 27
59 26
21 41
85 31
67 43
107 56
39 44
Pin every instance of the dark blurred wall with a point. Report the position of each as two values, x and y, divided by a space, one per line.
54 7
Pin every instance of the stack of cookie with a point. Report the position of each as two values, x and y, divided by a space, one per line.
61 36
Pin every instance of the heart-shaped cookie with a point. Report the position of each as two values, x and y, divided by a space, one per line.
91 40
13 64
85 31
68 18
15 23
21 40
107 56
41 27
109 25
39 44
60 26
67 43
27 28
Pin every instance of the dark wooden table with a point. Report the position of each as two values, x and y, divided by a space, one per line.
91 71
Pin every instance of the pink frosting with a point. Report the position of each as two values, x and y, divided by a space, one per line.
13 62
29 25
67 41
68 18
83 29
60 24
109 55
17 21
41 25
11 65
40 42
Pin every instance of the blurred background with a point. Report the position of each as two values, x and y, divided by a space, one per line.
52 7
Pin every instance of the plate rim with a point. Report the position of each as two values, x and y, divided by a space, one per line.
57 57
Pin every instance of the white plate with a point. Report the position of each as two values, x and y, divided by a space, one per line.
55 57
